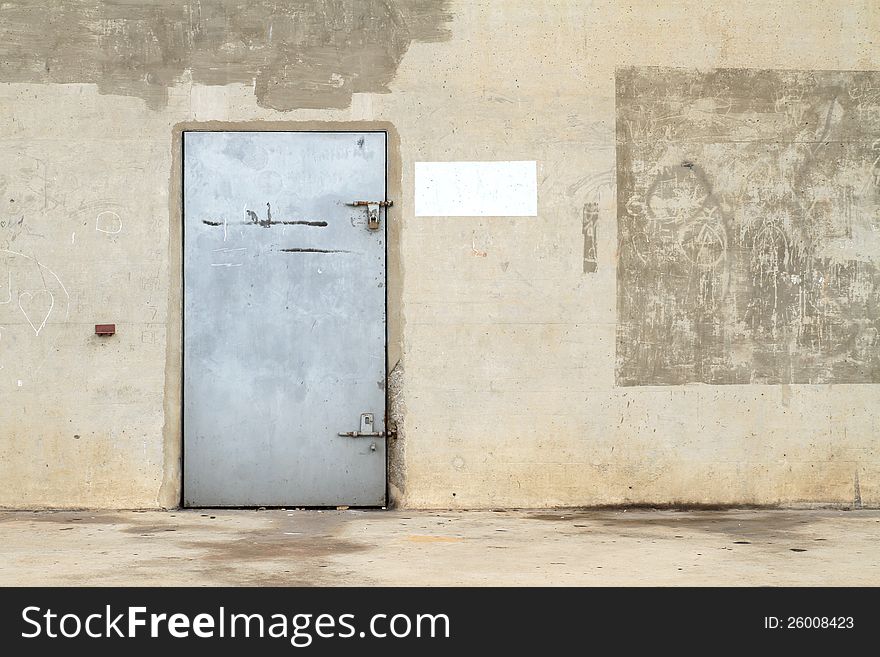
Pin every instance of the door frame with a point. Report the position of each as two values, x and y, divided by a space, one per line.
170 494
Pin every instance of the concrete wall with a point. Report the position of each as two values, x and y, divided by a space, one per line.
515 379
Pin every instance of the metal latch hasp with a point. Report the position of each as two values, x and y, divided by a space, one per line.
372 211
366 430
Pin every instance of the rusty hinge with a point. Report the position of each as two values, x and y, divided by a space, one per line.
372 211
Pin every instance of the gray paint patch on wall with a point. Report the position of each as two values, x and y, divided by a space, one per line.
748 226
297 53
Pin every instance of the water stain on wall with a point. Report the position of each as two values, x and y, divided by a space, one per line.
748 226
297 53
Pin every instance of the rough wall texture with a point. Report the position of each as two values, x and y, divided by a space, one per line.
297 53
515 390
749 210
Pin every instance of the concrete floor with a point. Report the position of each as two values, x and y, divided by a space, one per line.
594 548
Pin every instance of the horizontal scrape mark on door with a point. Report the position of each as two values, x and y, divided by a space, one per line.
313 251
264 223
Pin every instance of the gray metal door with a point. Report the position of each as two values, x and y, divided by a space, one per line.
284 318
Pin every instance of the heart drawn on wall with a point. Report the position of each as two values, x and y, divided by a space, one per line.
36 307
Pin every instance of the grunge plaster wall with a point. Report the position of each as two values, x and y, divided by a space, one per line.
524 374
748 215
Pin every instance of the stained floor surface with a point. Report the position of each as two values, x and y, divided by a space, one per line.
472 548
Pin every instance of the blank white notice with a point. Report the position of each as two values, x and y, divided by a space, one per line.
476 189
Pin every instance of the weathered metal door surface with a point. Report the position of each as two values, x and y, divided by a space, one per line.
284 318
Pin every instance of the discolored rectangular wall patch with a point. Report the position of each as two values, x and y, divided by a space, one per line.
748 226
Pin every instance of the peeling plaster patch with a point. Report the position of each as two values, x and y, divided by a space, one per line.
479 253
296 54
476 189
747 201
397 445
590 219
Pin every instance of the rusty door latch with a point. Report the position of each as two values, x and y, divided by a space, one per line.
372 211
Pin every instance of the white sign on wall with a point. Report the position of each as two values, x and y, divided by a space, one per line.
476 189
